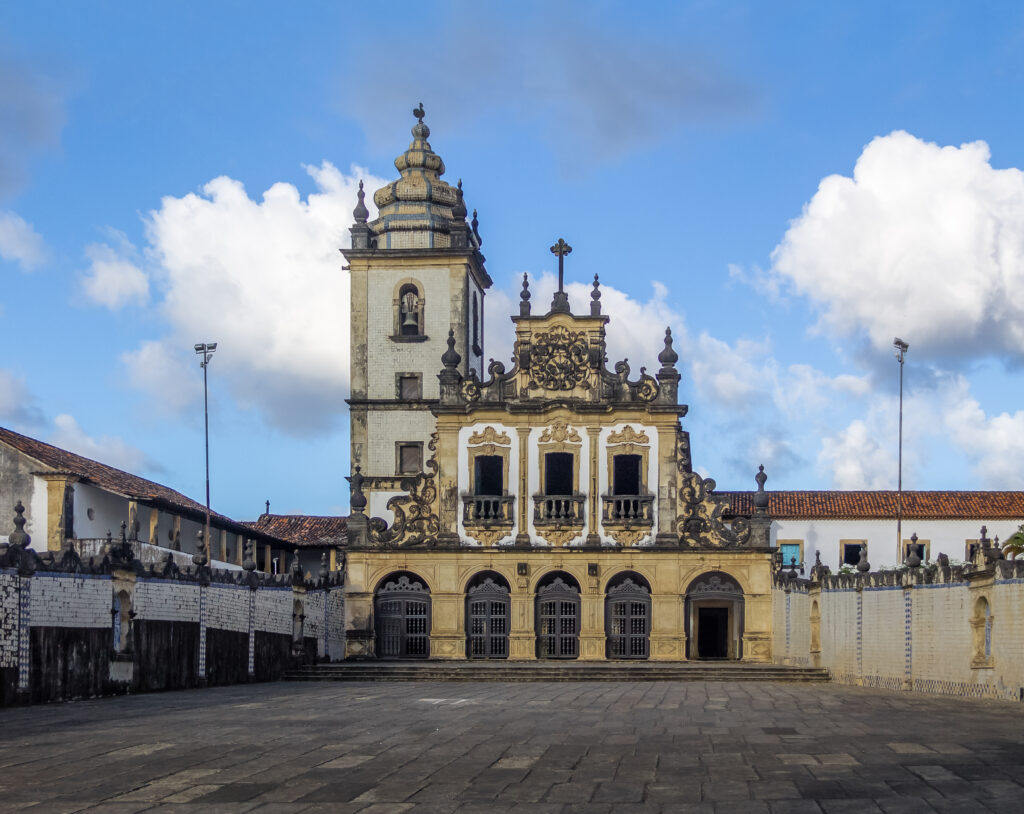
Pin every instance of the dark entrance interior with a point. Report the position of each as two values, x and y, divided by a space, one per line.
488 475
626 475
558 473
713 633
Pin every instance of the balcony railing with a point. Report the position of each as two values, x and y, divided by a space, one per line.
556 510
488 509
637 510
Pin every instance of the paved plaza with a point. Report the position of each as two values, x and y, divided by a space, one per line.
542 747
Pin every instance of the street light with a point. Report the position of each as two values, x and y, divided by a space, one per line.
901 351
205 350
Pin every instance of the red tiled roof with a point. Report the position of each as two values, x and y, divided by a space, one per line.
864 505
115 480
304 529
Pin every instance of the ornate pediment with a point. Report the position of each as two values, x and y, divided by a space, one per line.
560 359
628 436
489 435
560 432
699 521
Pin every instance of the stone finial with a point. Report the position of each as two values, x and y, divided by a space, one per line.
268 507
451 358
475 226
19 537
983 539
560 302
248 558
792 567
361 213
124 533
668 356
524 297
595 298
459 210
357 500
761 496
913 559
199 558
324 566
296 569
863 565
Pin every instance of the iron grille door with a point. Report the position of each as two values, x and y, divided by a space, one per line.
487 612
628 621
558 621
403 620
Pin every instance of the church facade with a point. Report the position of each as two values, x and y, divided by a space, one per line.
545 510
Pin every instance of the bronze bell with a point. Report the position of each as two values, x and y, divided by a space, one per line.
410 321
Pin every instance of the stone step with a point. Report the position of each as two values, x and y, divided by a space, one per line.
563 671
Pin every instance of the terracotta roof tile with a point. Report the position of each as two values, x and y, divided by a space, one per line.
115 480
828 505
304 529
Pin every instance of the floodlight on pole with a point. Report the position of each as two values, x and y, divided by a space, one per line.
205 350
901 352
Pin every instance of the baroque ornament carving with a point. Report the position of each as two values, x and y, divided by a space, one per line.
558 359
627 586
487 535
560 432
415 512
715 585
561 537
489 435
629 436
699 521
628 536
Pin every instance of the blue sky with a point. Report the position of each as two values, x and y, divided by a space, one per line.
787 185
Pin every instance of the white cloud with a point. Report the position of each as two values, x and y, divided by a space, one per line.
995 446
924 242
33 115
264 279
20 243
68 435
168 372
18 405
112 280
854 459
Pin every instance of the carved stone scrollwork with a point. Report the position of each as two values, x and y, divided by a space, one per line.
416 518
560 432
699 522
627 586
489 435
486 535
561 537
559 359
628 436
620 388
470 387
629 536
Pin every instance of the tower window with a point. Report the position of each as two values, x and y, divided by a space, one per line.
487 475
476 326
409 457
558 473
409 387
410 309
626 474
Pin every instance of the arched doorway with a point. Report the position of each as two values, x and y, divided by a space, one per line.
558 617
627 617
402 617
714 617
487 616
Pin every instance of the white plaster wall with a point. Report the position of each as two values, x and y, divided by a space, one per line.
884 638
839 631
377 505
168 601
386 357
109 511
38 520
386 428
941 632
273 611
71 601
512 487
227 608
651 476
947 536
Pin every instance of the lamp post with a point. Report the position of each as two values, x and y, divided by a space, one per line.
901 352
205 350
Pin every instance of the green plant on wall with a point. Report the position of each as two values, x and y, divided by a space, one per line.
1014 544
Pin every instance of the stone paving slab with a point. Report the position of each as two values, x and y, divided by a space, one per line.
417 747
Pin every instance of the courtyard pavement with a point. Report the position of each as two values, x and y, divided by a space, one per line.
418 747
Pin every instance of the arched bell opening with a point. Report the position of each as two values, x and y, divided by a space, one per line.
558 616
627 617
713 616
401 607
488 614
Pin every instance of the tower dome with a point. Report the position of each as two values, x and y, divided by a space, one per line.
416 211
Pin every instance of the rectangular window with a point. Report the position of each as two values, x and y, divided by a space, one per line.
970 548
792 551
626 474
923 549
849 551
409 388
488 474
558 473
410 458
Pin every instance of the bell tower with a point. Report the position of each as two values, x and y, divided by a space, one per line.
416 272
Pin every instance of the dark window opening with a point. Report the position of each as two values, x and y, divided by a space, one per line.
476 325
626 475
488 475
851 553
409 388
410 459
408 311
558 473
917 548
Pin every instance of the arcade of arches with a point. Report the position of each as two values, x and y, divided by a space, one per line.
586 605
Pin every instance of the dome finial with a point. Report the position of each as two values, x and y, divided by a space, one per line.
420 131
595 298
419 112
361 213
524 297
459 210
668 357
451 357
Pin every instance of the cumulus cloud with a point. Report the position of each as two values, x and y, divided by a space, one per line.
924 242
854 459
165 370
68 435
113 279
20 243
264 279
18 405
33 115
994 445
